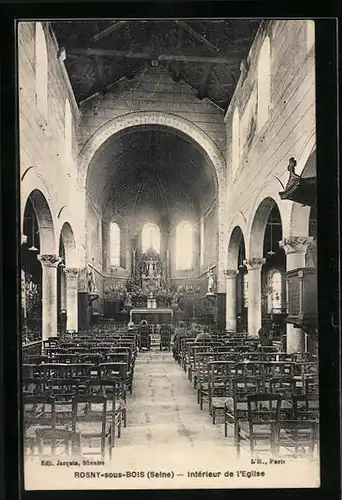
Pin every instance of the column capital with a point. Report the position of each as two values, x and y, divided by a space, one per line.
230 273
296 244
71 272
49 260
23 239
254 263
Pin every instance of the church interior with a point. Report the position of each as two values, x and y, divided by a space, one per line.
168 236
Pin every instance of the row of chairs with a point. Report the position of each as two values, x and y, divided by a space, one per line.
94 414
75 391
243 385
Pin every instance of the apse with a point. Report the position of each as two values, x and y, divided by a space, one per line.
151 169
147 175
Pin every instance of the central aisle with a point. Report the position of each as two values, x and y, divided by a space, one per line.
163 408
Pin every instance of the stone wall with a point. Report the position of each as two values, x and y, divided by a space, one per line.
289 130
42 147
151 90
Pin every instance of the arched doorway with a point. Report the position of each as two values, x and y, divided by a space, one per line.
236 283
38 263
31 274
67 281
273 286
265 259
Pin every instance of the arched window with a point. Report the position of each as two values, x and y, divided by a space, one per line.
68 136
310 34
275 282
115 244
184 242
235 141
264 82
150 238
41 71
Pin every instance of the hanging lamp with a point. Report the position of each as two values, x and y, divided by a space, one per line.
270 253
240 264
33 248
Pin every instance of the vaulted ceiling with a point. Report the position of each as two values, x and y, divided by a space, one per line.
150 167
206 54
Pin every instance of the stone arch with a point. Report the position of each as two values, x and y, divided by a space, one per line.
271 190
66 215
67 234
32 180
112 127
46 226
236 236
257 227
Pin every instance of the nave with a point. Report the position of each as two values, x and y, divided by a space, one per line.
160 414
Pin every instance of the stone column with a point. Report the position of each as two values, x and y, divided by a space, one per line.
72 298
63 291
295 248
254 266
230 275
49 264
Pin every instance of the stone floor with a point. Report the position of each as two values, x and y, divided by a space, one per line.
163 408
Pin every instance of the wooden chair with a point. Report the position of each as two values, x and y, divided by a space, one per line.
123 357
235 410
263 414
63 390
144 340
57 439
286 386
306 406
202 376
117 372
36 359
39 411
92 424
33 386
165 338
300 435
220 386
116 410
305 370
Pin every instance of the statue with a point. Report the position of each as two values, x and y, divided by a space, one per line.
210 281
291 169
150 268
91 281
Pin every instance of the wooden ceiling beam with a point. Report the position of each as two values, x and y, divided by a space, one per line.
160 57
200 38
115 26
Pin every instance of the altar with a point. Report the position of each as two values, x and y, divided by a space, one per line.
153 316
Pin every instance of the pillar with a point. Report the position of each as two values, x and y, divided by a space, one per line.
63 291
230 275
221 311
49 264
254 266
105 246
295 248
72 298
